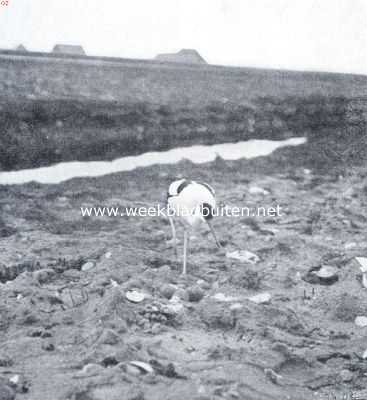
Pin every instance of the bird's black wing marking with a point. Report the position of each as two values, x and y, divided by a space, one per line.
207 211
182 186
211 190
179 189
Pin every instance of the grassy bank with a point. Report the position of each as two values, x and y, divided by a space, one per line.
41 132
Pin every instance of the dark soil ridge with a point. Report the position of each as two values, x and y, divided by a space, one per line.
42 132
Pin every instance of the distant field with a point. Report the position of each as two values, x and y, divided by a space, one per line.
162 83
54 110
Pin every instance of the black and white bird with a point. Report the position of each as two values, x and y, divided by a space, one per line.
191 204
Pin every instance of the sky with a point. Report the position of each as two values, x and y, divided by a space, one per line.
318 35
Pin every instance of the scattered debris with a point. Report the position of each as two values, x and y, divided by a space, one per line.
272 375
135 296
244 256
326 272
361 321
258 190
261 298
48 346
236 306
322 275
90 370
109 361
168 370
114 283
19 384
88 266
363 264
14 379
223 298
142 366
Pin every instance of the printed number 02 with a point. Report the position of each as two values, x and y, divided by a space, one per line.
4 2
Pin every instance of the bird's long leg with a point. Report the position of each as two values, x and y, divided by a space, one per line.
214 235
186 241
173 236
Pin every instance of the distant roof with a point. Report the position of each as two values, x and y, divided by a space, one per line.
68 49
187 56
20 48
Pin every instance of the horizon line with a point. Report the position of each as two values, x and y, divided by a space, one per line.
107 58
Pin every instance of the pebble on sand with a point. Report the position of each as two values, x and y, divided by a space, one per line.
14 379
261 298
87 266
236 306
364 280
361 321
223 298
363 263
135 296
258 190
90 370
327 272
142 366
244 256
322 275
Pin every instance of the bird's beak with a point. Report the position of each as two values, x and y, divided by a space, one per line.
214 235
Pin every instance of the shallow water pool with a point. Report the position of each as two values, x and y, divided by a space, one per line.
197 154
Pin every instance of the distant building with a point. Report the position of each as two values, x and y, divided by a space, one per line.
69 49
185 56
20 48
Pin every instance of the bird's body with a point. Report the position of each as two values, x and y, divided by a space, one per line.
188 200
192 204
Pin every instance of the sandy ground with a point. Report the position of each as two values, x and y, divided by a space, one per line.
68 331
